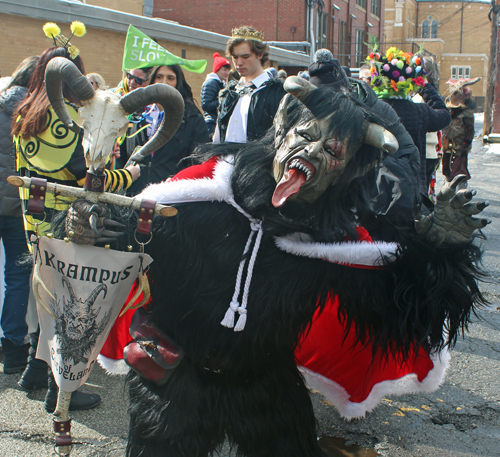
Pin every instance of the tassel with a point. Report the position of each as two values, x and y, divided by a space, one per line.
242 320
228 320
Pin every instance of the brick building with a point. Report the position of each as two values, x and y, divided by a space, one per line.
339 25
458 33
107 22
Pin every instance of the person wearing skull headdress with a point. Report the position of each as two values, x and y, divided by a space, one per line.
458 136
258 246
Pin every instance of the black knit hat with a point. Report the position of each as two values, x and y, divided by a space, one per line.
326 71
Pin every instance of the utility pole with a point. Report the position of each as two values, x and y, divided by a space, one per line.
494 16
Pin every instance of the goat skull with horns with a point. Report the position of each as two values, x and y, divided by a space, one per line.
105 114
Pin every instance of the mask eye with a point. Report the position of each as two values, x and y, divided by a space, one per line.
334 147
304 135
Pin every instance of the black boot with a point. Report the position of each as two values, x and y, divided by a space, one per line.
35 376
16 357
79 400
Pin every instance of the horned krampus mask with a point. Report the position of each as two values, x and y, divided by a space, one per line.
461 94
320 150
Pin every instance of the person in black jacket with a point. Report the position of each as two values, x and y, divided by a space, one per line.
15 304
213 84
164 162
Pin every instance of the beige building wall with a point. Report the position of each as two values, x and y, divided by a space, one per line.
463 41
101 50
125 6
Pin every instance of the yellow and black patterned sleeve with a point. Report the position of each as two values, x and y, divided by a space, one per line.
117 180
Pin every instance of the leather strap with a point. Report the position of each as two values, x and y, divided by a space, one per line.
63 433
95 182
146 214
36 202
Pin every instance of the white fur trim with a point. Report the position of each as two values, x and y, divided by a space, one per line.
348 253
112 366
217 188
408 384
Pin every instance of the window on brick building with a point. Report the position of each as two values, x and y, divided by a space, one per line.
376 7
429 28
360 47
460 72
361 3
344 44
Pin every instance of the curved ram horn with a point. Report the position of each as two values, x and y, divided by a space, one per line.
381 138
57 70
171 101
70 288
93 296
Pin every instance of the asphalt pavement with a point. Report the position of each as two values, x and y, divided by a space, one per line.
461 419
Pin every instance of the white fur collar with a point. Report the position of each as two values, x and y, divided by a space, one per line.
217 188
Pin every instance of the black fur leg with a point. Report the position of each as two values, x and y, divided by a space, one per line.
272 416
265 413
172 420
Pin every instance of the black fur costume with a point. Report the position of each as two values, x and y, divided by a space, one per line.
245 386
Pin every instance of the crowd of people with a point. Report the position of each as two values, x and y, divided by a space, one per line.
239 100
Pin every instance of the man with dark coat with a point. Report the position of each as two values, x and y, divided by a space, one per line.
247 107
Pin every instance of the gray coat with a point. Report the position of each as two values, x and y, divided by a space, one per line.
10 204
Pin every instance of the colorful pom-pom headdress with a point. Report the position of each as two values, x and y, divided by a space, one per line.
53 31
396 74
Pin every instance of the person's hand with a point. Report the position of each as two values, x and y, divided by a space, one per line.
135 171
452 221
116 151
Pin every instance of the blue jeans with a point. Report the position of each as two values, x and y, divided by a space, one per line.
17 280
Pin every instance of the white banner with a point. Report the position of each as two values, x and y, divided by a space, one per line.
89 286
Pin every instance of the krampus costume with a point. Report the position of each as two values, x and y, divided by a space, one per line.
259 245
458 136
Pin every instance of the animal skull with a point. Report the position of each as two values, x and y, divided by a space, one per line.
105 114
104 119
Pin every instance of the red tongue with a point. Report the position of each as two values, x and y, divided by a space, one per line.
295 179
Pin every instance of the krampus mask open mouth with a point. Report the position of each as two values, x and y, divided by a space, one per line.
314 154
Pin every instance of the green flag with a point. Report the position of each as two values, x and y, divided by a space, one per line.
141 51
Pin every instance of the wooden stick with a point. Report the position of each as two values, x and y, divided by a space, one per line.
95 197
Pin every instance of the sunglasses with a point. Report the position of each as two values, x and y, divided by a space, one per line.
138 80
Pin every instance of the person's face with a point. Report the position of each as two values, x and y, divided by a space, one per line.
223 73
364 75
136 78
165 75
94 84
246 62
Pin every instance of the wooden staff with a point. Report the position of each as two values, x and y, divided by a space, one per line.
94 197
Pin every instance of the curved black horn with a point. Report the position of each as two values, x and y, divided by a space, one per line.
70 288
171 101
57 70
381 138
93 296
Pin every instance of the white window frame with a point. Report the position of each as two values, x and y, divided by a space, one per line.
460 72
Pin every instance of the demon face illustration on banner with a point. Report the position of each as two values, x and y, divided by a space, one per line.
80 293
